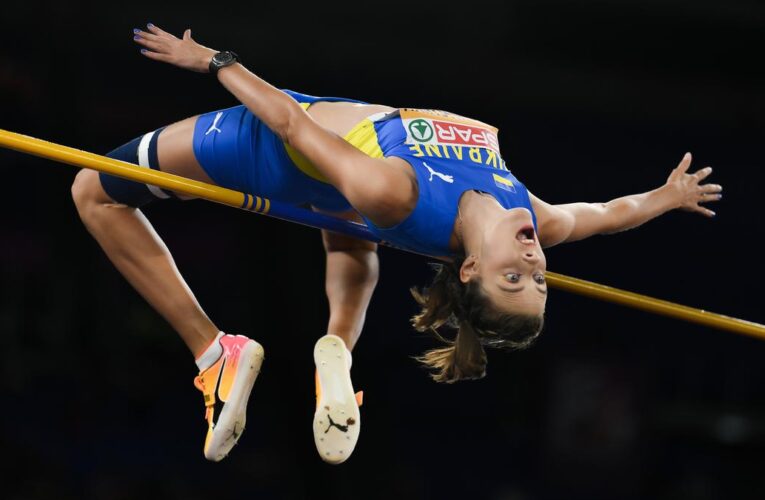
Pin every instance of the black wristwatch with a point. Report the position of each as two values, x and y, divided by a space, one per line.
221 60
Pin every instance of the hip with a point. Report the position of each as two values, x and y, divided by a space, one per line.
238 151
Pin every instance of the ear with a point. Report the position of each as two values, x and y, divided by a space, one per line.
469 268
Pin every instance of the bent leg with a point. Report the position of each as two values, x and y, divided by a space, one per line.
137 251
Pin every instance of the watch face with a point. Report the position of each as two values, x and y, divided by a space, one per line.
223 58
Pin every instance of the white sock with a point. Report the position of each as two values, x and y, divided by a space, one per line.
211 354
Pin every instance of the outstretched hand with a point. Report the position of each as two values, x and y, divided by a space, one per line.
690 191
182 52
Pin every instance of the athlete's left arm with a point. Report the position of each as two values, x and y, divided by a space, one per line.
576 221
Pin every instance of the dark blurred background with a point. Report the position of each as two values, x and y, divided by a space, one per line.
594 99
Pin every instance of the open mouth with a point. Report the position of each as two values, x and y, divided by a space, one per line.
526 235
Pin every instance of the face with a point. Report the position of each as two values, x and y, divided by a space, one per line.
511 265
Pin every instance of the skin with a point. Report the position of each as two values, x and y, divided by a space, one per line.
511 270
506 264
511 267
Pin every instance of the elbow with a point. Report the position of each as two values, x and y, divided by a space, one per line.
289 123
285 129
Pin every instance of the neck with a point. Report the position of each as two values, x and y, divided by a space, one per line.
476 212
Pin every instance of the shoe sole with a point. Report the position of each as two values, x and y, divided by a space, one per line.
233 417
336 438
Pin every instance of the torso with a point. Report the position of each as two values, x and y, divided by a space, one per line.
342 117
443 155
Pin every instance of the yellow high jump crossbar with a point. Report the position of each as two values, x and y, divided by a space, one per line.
84 159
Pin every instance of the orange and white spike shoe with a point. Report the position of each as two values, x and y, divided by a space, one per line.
226 386
337 421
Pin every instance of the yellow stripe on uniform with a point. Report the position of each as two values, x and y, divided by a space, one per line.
362 136
502 180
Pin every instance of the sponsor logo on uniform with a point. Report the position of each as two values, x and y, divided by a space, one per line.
504 183
421 130
439 128
442 176
214 127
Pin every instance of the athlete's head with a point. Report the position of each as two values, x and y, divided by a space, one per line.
508 262
471 310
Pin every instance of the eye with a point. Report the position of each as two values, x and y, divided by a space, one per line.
539 278
513 277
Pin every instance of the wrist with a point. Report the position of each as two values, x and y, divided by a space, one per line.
221 60
670 196
204 60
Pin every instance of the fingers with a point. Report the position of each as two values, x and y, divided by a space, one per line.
154 41
704 198
155 55
695 192
156 46
148 40
711 188
703 173
703 211
682 167
157 31
145 35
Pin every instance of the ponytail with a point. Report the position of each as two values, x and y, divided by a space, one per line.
464 307
464 357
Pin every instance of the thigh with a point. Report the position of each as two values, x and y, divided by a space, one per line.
169 149
175 152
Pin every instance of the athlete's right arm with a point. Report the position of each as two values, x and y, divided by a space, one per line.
370 185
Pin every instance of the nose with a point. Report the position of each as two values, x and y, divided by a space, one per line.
531 257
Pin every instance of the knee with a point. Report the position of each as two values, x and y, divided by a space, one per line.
88 194
81 189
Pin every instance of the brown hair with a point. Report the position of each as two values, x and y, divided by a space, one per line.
465 307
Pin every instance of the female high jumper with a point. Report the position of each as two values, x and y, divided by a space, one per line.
427 181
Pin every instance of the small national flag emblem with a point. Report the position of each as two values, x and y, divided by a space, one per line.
504 183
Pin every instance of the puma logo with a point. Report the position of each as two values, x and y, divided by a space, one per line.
343 428
443 177
215 122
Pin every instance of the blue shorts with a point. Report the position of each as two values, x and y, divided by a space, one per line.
238 151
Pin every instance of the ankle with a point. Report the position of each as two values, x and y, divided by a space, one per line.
210 353
198 335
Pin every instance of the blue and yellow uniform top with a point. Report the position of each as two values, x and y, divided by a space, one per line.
449 154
